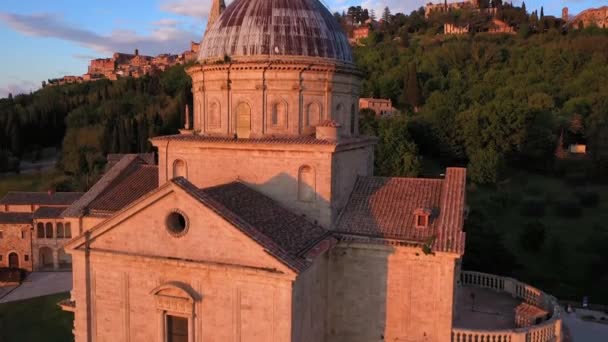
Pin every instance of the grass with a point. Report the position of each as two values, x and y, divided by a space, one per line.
562 262
34 320
29 182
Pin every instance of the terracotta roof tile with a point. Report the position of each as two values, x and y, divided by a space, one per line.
48 212
40 198
384 208
110 180
284 234
15 218
131 185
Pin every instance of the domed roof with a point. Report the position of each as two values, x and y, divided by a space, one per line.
276 28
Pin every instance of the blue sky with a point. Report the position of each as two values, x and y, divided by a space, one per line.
44 39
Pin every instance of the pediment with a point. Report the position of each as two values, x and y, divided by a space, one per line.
143 229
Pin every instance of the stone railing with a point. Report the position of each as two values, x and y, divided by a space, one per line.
548 331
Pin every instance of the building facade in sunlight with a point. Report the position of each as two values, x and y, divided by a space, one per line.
262 220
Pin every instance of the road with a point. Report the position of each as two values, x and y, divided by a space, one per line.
582 331
40 284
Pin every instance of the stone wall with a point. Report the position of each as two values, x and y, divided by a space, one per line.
238 292
389 293
219 90
310 303
16 238
274 171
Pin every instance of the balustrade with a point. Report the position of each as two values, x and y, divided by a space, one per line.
549 331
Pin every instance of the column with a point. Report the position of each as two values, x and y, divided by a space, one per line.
55 260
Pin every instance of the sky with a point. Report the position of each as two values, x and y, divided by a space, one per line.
44 39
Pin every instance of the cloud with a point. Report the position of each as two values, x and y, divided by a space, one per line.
396 6
16 88
198 9
163 38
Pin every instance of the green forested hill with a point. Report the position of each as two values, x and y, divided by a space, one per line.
92 119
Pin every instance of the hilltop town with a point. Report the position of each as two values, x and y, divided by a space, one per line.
128 65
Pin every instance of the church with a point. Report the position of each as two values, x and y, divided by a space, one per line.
262 220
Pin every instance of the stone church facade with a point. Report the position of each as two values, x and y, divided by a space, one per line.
262 220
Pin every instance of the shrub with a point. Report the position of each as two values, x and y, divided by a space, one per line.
568 209
533 208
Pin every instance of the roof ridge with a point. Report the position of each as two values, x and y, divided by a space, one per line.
75 210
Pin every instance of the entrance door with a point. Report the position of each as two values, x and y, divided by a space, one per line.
243 121
13 260
177 329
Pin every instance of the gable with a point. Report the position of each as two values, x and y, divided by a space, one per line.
142 230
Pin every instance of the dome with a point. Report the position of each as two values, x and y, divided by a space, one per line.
272 28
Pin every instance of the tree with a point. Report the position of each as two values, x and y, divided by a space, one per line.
413 94
386 15
485 166
523 7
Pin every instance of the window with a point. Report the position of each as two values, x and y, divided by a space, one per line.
313 115
179 169
26 257
68 230
243 121
306 184
1 235
422 217
40 230
177 223
49 230
177 329
0 257
22 234
278 115
60 230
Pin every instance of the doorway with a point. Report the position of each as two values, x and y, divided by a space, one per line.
13 260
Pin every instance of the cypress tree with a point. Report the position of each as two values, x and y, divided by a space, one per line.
413 95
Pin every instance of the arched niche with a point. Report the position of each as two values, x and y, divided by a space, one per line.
306 184
312 117
243 120
278 115
180 169
214 116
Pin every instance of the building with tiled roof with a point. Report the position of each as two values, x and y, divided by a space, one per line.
263 220
33 231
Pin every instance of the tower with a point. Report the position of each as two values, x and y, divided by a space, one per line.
565 14
280 117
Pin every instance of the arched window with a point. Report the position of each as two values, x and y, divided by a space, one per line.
49 230
353 119
40 230
179 169
313 115
306 184
243 121
278 115
60 233
214 116
68 230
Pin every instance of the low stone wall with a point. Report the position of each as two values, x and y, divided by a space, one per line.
548 331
